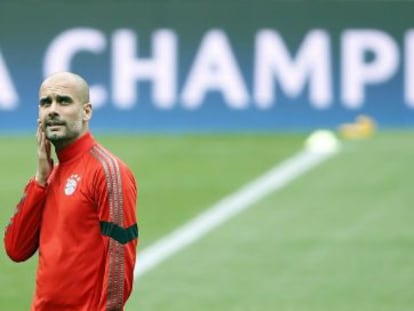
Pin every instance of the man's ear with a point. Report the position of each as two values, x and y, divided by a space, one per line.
87 111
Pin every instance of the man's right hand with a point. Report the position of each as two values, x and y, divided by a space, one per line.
45 162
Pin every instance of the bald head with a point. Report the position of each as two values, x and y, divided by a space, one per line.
64 108
69 80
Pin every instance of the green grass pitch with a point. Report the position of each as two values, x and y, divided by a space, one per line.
338 238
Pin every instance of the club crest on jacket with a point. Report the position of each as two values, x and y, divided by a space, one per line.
71 184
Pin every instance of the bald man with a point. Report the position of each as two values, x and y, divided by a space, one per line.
80 214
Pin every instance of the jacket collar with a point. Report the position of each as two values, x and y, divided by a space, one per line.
76 149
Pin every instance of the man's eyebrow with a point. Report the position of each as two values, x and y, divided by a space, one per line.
44 99
64 97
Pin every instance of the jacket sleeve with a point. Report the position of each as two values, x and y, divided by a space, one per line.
116 196
21 238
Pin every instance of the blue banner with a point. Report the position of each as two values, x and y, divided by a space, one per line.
167 66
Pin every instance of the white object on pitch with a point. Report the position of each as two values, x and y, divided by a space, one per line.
322 141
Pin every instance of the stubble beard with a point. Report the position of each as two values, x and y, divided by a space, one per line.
67 134
54 136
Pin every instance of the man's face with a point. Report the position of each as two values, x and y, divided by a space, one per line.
61 112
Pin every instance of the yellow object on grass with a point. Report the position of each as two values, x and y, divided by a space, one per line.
363 127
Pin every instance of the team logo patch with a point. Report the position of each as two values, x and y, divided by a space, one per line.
71 184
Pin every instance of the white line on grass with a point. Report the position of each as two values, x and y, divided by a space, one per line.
273 180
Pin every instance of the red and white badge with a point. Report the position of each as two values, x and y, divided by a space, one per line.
71 184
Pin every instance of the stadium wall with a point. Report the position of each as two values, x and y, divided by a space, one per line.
162 66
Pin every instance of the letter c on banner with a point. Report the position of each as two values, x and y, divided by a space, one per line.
63 48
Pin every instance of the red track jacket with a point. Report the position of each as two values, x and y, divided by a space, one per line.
84 225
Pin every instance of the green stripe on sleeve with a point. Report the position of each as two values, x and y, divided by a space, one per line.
122 235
